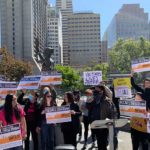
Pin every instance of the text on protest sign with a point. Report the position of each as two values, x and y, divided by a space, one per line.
132 108
122 87
141 65
51 79
10 136
92 77
7 88
29 83
58 114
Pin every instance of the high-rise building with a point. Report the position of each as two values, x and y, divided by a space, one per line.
23 22
65 9
130 22
104 51
53 33
84 39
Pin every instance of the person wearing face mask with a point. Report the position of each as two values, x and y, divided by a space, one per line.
31 108
12 113
100 108
85 113
47 131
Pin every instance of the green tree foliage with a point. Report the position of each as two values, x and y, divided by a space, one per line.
71 78
125 51
13 69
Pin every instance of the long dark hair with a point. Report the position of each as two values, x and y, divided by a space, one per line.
70 97
44 103
9 110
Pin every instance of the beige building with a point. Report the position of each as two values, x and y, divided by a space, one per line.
104 51
22 22
65 9
84 39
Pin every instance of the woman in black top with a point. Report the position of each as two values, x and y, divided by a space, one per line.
47 131
70 129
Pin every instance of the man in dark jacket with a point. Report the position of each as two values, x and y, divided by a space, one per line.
100 109
31 108
145 91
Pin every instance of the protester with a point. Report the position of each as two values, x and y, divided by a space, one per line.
13 113
31 108
70 129
47 131
145 91
116 103
76 94
138 137
86 122
100 108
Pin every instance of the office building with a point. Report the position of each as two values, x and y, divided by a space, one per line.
65 9
53 33
84 39
131 22
23 22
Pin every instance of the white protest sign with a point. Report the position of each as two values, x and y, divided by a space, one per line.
92 77
10 136
141 65
7 88
58 114
132 108
29 83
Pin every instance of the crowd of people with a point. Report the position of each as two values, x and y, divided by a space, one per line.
100 103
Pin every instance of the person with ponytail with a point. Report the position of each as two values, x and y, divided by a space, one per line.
12 113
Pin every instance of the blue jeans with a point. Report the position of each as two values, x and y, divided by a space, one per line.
47 136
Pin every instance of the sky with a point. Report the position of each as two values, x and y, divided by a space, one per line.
106 8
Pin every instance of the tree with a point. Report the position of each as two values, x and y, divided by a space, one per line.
13 69
125 51
71 78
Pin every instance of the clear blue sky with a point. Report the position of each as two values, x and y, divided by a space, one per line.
106 8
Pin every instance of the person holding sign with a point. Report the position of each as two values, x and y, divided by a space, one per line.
47 131
100 108
31 108
70 129
138 137
145 91
12 113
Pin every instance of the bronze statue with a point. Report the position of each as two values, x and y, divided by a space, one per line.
44 58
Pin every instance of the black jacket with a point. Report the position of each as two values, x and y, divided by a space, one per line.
100 109
145 92
74 125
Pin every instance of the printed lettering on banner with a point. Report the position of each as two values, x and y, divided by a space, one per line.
58 114
10 136
7 88
141 65
29 83
92 77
